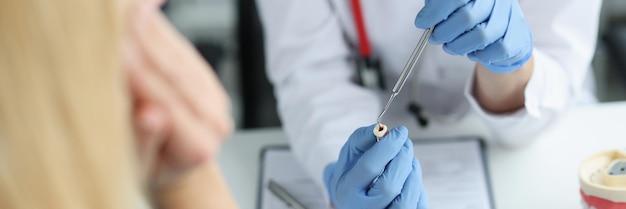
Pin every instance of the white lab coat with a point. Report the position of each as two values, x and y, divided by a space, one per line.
308 53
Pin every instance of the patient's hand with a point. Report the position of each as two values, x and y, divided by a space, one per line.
181 111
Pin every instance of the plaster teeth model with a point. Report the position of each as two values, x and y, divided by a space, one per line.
603 180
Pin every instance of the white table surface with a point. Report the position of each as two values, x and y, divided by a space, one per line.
543 174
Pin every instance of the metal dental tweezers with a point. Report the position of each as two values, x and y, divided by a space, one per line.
417 52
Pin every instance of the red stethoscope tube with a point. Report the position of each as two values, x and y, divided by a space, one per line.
365 49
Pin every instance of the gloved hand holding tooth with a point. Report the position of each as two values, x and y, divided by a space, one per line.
351 180
491 32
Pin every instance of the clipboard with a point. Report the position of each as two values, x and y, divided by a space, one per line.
442 194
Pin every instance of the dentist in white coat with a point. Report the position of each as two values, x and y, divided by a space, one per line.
503 69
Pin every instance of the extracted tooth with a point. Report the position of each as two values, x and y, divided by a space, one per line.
380 131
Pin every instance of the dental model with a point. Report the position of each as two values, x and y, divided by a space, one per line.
380 131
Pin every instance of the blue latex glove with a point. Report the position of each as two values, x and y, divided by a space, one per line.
491 32
354 181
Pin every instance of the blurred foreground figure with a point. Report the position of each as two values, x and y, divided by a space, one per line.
100 108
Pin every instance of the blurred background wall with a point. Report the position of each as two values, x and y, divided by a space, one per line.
610 60
229 35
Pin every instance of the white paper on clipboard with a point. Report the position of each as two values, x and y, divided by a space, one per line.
454 174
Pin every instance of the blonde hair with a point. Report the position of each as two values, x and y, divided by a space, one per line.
65 132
